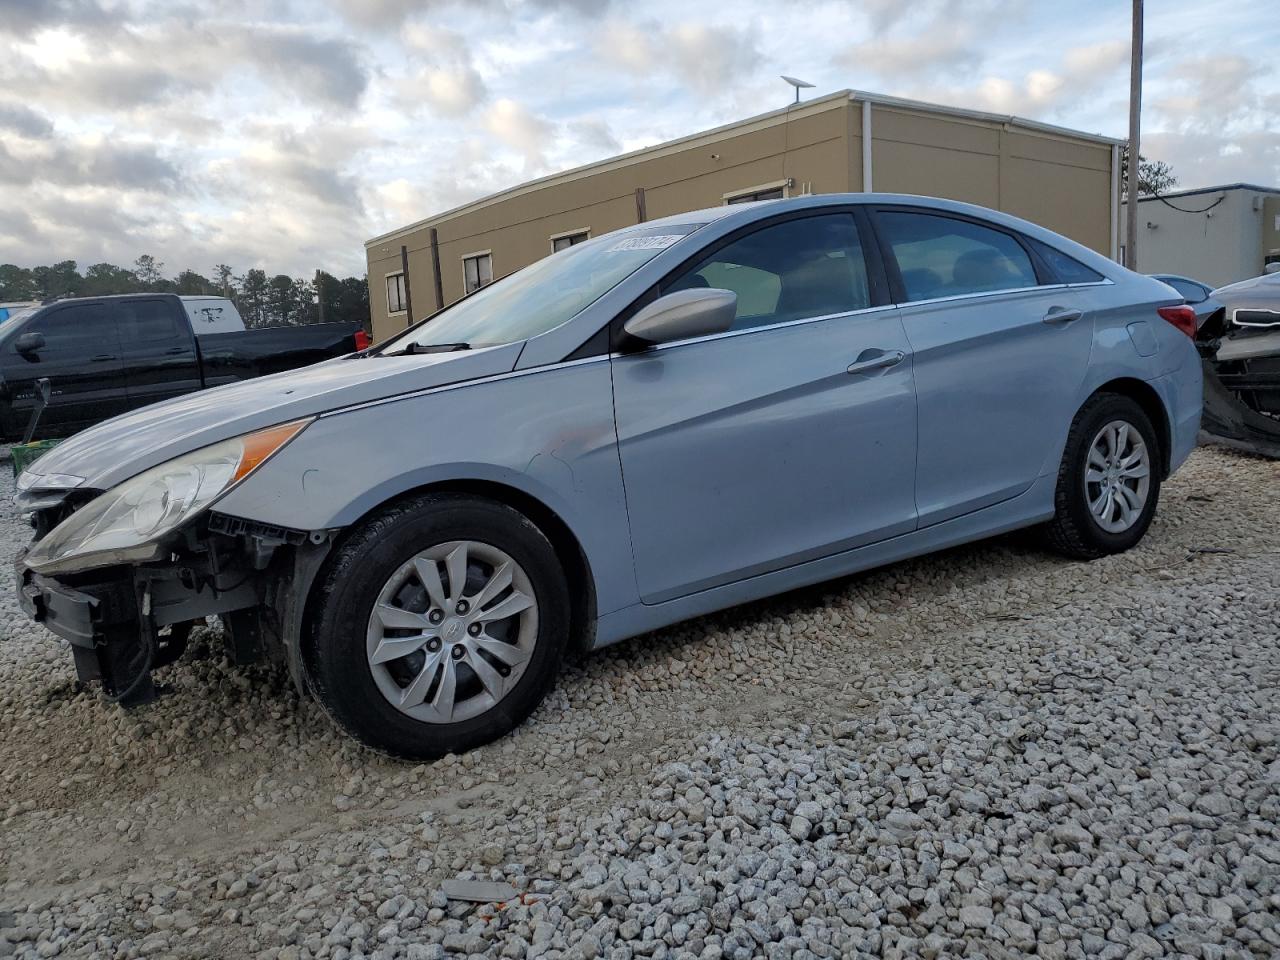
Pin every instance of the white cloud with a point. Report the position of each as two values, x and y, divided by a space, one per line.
454 92
283 134
517 127
1044 91
706 57
904 58
1217 122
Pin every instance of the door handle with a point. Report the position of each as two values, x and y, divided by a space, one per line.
1062 315
174 351
869 360
101 358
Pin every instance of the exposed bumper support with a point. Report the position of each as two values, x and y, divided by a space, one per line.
123 621
80 616
1228 420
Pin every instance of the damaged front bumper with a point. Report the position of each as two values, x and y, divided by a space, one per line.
125 621
1241 383
111 640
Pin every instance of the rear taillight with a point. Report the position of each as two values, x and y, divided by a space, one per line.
1182 317
362 340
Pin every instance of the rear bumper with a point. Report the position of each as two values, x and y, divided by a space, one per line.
1182 392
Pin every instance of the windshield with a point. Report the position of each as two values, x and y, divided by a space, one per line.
543 295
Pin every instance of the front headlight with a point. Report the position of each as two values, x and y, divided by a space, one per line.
125 523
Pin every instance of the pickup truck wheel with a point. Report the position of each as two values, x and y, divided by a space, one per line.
439 626
1109 480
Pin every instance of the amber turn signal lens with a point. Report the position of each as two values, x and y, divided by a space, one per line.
261 445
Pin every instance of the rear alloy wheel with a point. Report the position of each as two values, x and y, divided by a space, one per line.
438 627
1109 481
1117 476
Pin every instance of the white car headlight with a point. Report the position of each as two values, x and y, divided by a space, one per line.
47 481
125 523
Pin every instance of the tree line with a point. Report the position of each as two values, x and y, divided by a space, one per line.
263 301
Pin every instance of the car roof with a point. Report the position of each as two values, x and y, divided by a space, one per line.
108 296
730 216
1178 276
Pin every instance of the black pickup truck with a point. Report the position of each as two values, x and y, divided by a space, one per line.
104 356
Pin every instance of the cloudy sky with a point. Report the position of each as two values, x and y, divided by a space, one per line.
283 133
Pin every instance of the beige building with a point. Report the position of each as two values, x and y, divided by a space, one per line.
847 141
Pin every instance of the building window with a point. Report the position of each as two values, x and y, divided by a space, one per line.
395 293
562 240
477 271
763 191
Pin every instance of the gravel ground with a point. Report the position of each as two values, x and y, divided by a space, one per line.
989 752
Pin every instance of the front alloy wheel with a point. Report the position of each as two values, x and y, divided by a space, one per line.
438 626
452 631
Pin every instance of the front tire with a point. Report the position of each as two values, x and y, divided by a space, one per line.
1109 481
439 626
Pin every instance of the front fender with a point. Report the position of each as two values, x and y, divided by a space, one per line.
548 433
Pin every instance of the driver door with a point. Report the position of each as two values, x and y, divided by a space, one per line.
81 359
790 437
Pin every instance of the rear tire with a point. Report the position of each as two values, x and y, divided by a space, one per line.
379 593
1087 524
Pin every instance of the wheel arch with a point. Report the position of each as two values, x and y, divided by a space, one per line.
564 541
1146 397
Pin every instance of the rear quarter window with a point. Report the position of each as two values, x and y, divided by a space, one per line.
941 256
1066 269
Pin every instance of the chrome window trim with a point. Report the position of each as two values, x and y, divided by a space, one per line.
764 326
866 310
1000 293
981 294
510 374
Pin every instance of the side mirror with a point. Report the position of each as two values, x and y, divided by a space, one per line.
684 314
1272 267
29 343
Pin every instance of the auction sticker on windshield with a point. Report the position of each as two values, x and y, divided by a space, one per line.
646 243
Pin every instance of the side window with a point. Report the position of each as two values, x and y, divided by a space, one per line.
83 330
1066 269
944 257
792 270
1191 292
146 321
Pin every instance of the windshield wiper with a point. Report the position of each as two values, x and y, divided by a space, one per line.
412 348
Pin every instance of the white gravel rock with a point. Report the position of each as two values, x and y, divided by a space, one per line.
990 752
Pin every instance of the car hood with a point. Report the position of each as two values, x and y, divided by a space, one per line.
1254 291
118 449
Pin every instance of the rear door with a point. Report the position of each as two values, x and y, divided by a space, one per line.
1000 350
790 437
81 359
159 350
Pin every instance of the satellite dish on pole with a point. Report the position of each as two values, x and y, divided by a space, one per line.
798 84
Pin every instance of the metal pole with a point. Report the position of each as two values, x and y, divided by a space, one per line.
435 268
1135 145
408 299
319 295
